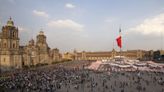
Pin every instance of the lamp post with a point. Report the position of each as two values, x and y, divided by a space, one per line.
0 57
161 40
32 57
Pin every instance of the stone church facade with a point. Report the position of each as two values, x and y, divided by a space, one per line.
12 55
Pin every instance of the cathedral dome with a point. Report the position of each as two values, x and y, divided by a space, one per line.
10 22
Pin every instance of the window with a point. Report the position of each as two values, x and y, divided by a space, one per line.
4 45
13 34
14 45
4 59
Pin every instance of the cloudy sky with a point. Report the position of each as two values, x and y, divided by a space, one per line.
90 25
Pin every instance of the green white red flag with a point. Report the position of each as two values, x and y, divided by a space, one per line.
119 40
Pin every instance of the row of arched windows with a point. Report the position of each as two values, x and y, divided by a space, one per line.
4 45
10 34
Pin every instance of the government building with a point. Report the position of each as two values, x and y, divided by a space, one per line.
104 55
12 55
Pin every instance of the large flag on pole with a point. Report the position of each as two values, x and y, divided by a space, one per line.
119 39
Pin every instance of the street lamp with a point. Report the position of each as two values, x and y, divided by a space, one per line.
0 57
32 57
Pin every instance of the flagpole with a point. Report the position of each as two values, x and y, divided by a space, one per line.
120 53
112 51
121 43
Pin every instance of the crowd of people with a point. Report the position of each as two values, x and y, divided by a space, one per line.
73 77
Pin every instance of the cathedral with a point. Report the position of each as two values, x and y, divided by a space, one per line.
14 56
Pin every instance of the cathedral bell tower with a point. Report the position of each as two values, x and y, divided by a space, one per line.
9 45
9 36
43 48
41 42
41 38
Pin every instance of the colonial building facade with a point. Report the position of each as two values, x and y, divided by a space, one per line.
12 55
131 54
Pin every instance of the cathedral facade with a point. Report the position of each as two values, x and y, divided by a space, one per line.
12 55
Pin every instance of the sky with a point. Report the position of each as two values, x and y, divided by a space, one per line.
89 25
